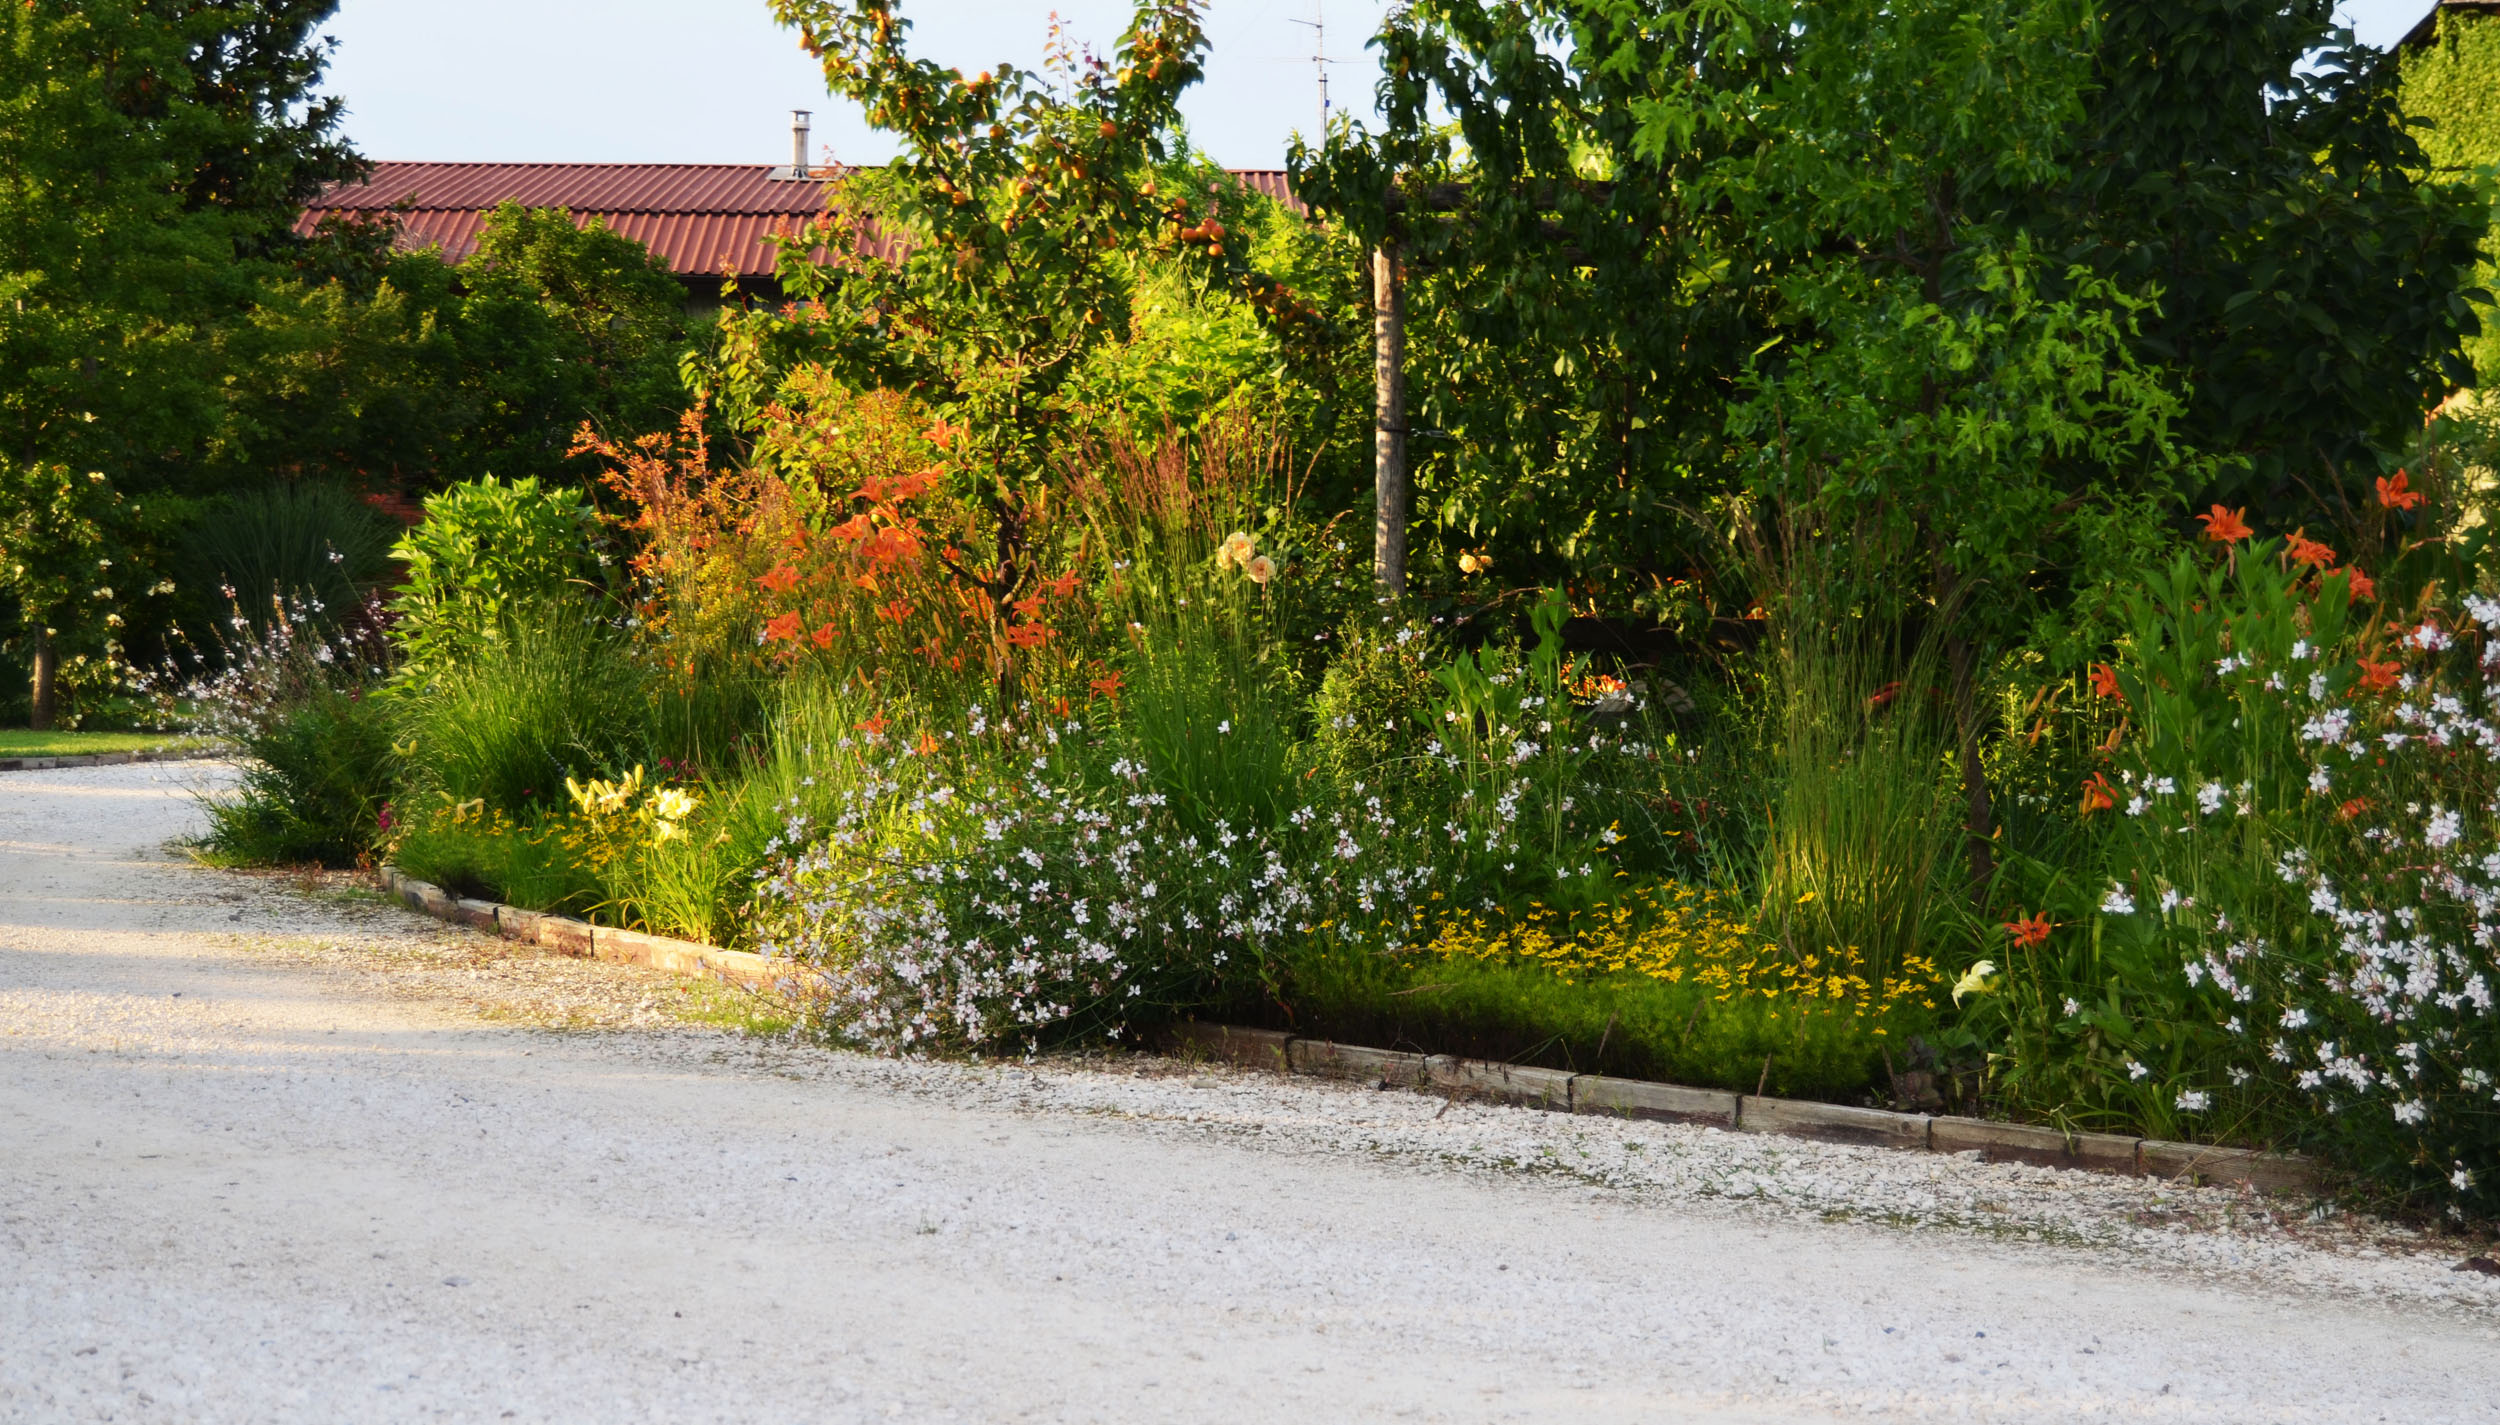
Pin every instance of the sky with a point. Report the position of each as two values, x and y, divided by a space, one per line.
714 81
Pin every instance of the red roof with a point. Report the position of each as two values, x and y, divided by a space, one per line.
697 216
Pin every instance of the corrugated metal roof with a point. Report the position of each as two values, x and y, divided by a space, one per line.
582 187
695 216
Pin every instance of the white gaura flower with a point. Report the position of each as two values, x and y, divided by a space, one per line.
2117 902
2194 1101
2445 829
2136 1070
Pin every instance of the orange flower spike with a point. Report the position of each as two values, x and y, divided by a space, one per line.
926 746
783 627
2378 677
2098 794
2105 682
2029 932
781 580
2398 494
2226 526
2306 551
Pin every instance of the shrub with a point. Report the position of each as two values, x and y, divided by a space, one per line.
302 697
486 551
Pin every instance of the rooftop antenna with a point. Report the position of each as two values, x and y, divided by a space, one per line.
1319 55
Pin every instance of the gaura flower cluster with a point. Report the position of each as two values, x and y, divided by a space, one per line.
1024 883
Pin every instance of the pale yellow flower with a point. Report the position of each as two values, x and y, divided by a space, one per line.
1978 980
1236 550
1260 569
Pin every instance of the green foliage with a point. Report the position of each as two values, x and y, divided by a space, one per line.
487 551
58 538
2034 240
290 539
2249 166
1627 1025
561 325
396 365
1860 851
556 695
158 155
1376 698
2454 83
314 785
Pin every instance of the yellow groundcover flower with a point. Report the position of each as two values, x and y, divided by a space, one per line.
1678 934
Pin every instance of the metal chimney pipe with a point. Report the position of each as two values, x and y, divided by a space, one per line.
798 142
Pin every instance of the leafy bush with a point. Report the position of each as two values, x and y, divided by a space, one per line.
486 551
302 696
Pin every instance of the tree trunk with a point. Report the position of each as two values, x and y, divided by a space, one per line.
47 661
1393 495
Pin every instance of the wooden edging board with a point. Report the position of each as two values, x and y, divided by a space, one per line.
1565 1092
1552 1089
100 759
567 936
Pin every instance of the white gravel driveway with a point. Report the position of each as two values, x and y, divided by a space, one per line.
268 1155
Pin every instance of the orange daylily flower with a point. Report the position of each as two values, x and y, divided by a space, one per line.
2378 677
781 580
2353 808
875 726
2029 932
2105 682
2098 794
1028 635
1109 686
926 745
2398 494
823 636
2226 526
2361 585
1062 586
2304 550
896 611
784 626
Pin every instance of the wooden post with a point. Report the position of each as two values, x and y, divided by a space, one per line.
1393 496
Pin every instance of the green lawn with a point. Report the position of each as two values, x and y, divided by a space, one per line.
18 742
